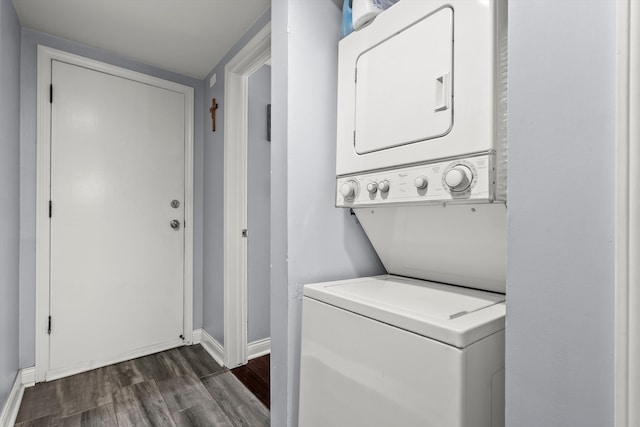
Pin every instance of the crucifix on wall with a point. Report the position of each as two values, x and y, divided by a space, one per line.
212 110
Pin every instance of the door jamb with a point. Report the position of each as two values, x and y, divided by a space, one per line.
43 177
237 71
627 240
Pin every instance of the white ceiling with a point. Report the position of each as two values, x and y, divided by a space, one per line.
185 36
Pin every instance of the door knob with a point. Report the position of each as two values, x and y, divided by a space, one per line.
175 224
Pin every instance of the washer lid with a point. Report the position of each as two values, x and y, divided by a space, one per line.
451 314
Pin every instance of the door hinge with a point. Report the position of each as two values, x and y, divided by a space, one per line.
50 94
244 232
49 326
50 208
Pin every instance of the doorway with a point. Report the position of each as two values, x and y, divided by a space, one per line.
113 276
254 55
258 212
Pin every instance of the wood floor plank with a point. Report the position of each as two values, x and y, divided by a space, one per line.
102 416
200 361
176 363
141 405
240 405
255 376
126 373
254 382
151 368
39 401
162 366
261 366
86 391
183 392
46 421
203 415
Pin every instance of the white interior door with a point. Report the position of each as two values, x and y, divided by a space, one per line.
116 268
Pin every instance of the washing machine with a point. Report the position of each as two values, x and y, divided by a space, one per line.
422 346
422 162
393 351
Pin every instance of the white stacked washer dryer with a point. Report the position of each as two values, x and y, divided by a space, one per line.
421 159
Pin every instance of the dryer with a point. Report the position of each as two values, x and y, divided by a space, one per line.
425 84
421 138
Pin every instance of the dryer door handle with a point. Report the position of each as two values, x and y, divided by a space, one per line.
443 93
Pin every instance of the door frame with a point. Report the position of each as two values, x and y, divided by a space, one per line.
236 90
627 228
43 183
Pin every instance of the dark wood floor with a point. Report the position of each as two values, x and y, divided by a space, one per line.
255 376
178 387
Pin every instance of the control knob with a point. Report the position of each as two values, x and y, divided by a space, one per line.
372 187
421 183
384 185
458 178
349 189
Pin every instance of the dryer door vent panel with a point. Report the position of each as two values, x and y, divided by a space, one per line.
404 90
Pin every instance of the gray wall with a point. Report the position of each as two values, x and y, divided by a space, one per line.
30 40
560 275
213 315
258 208
314 241
9 194
281 391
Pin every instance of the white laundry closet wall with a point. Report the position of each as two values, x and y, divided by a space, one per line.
560 271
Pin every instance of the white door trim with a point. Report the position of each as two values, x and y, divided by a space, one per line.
627 241
237 71
43 175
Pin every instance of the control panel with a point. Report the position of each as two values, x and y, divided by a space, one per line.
470 179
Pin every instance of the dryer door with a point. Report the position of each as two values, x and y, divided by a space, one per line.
404 91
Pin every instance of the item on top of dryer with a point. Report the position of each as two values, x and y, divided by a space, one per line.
365 11
347 21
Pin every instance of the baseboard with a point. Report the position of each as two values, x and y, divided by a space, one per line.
259 348
28 376
213 347
12 405
196 336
